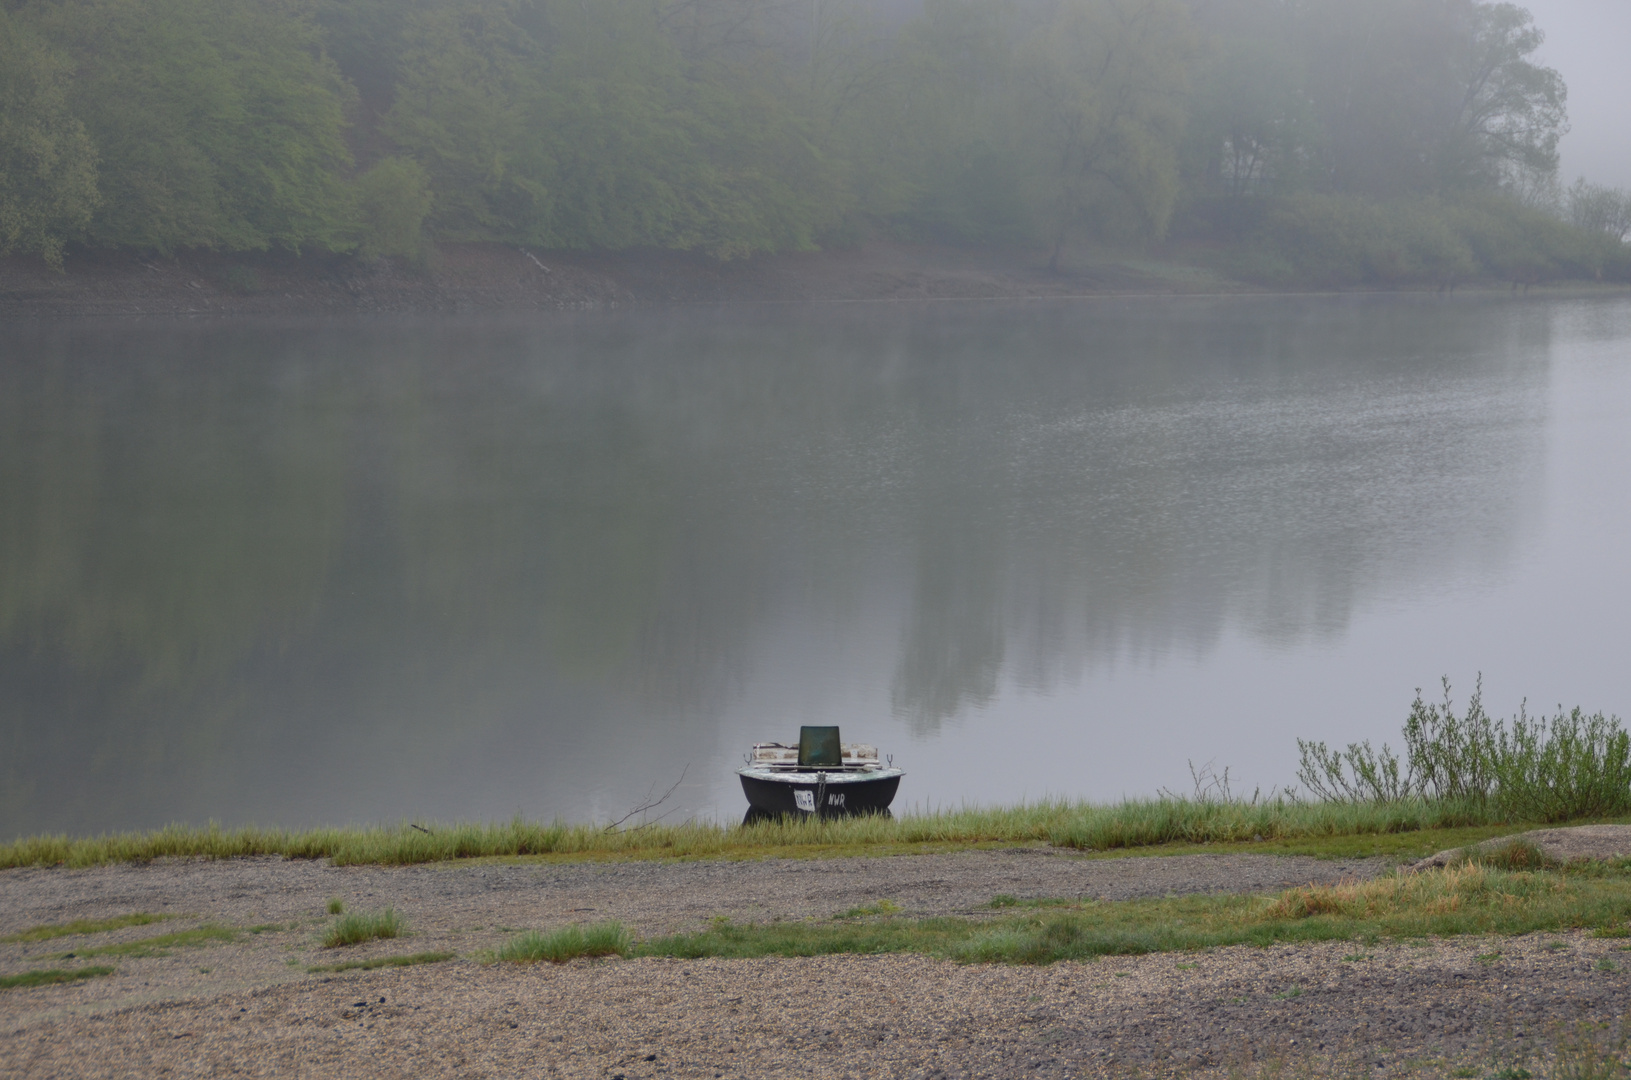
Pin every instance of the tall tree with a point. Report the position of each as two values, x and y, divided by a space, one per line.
1107 80
47 164
219 123
1251 130
1429 96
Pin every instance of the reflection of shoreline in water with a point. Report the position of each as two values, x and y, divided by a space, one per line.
331 573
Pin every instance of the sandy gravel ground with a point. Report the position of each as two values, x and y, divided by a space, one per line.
650 896
1386 1011
250 1007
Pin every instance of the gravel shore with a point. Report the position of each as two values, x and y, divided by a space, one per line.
250 1006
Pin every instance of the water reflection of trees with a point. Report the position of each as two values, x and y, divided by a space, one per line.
518 554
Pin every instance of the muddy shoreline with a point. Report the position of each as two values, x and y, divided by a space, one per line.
252 1007
493 277
473 278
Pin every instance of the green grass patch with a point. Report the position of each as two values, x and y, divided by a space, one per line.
209 934
85 926
336 906
567 943
882 907
360 926
385 961
1465 899
1409 828
50 976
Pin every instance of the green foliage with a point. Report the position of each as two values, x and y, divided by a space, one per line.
218 123
51 976
1107 83
958 136
1325 142
393 199
1411 828
1338 240
360 926
1144 822
1567 767
1390 98
1594 208
85 926
567 943
47 162
572 126
336 906
468 101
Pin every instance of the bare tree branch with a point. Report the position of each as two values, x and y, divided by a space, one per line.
651 804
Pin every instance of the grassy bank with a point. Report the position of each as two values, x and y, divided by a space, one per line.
1469 898
1402 827
1463 777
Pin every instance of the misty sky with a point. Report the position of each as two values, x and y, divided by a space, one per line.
1587 41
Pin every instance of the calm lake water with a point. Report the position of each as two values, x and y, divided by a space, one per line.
369 570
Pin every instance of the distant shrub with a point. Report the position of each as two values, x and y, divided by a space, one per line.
1526 769
361 926
1344 240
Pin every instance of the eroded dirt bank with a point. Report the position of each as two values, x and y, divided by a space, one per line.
250 1005
483 277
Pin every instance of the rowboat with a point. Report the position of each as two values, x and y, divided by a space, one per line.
821 777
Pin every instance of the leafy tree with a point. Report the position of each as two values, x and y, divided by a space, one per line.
1107 85
741 126
468 108
1251 129
47 164
218 122
1594 208
1428 96
951 147
1509 112
584 127
393 198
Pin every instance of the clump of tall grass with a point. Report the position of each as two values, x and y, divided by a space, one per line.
1078 824
408 844
568 943
1144 822
360 926
1539 769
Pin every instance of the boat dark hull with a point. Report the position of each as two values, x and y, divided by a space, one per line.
775 798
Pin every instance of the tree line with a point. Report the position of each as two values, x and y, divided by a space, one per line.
1350 140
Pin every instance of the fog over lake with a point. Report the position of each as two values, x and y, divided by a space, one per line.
368 570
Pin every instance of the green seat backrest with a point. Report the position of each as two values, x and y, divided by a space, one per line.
820 746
